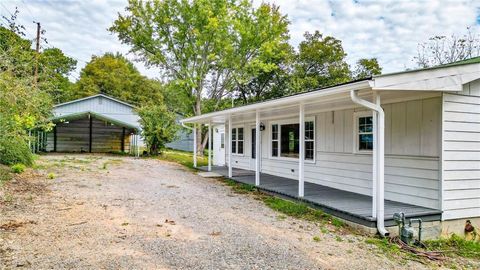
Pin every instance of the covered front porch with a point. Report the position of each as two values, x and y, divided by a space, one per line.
350 206
328 148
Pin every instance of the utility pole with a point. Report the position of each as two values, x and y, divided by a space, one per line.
37 49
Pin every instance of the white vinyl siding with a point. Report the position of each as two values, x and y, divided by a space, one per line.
461 153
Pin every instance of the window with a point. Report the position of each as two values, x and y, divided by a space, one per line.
222 140
237 141
365 133
286 140
309 140
274 140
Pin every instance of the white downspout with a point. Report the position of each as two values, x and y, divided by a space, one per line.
380 156
194 131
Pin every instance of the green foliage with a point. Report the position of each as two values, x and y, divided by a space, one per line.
18 168
316 238
114 75
294 209
15 150
51 175
319 63
159 126
456 245
54 68
24 103
366 68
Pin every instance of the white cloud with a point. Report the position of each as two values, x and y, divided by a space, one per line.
388 30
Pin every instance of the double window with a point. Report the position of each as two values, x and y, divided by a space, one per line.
286 140
237 141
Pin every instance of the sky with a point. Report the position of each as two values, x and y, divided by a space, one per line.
387 30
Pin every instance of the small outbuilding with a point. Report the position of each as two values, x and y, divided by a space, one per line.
95 124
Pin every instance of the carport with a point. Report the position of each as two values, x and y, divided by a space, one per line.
93 133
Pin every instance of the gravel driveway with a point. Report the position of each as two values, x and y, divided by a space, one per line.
112 212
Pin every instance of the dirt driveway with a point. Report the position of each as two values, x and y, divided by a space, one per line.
108 212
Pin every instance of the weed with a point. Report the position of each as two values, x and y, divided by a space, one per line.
281 217
316 238
338 238
8 198
324 230
337 223
51 175
105 164
5 174
18 168
125 224
455 245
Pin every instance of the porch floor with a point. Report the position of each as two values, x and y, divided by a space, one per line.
347 205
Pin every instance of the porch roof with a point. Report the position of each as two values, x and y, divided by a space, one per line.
449 77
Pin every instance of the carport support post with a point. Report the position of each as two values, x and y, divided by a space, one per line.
122 147
194 145
210 146
230 146
55 139
301 151
257 148
90 134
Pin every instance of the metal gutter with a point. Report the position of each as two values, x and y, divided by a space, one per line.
379 160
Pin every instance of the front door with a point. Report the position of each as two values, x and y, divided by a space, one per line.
219 146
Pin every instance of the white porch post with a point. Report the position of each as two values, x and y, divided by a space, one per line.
257 148
210 146
230 146
194 145
301 152
380 163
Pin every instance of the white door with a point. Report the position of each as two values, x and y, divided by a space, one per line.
219 146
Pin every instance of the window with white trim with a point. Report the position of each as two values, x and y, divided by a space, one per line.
286 140
364 138
237 140
275 140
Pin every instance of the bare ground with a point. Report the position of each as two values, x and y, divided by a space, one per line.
107 212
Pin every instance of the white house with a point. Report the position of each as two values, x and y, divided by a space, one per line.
403 142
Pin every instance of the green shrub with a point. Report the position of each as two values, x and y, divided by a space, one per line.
18 168
15 150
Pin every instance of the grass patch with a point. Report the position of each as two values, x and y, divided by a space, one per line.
18 168
51 176
455 245
316 238
5 174
184 158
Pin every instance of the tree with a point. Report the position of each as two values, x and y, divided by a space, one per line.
114 75
22 105
158 126
439 50
205 47
320 62
54 68
366 68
